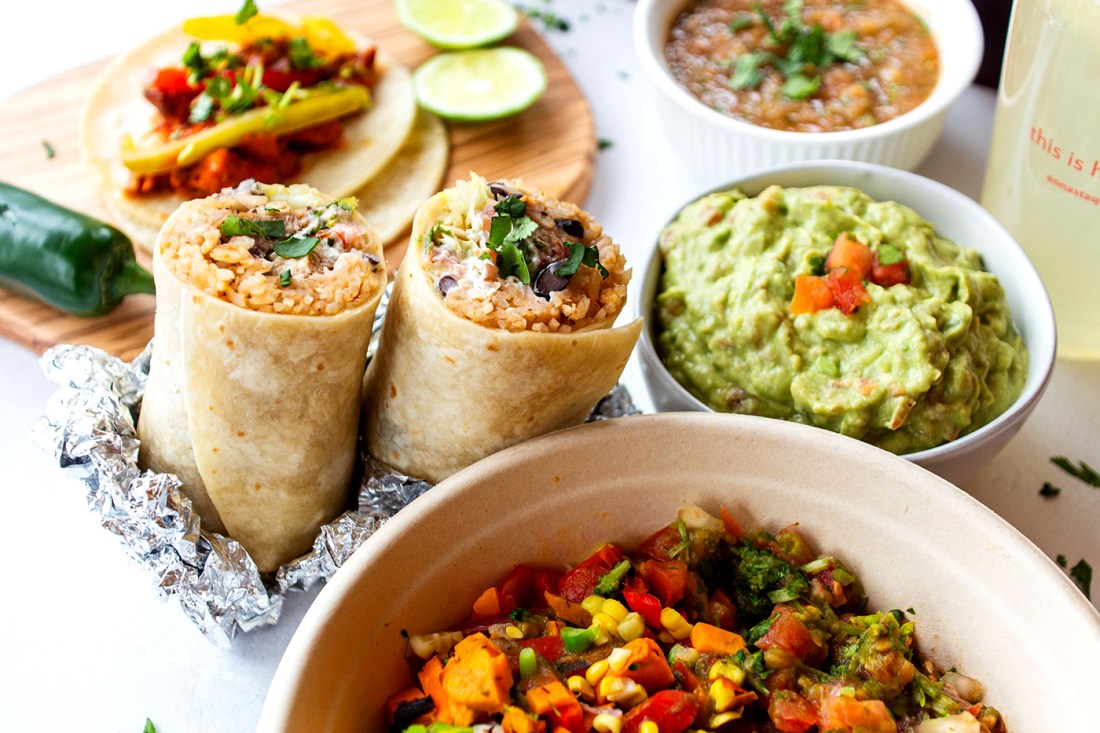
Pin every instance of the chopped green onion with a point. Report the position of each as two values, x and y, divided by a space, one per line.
284 278
247 10
528 663
1084 471
577 640
782 595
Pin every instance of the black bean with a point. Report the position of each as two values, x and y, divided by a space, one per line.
371 258
549 281
408 711
498 190
446 283
572 227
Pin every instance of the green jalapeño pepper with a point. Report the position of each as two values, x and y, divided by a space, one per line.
69 260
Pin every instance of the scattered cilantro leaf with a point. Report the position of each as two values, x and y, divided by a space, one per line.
149 727
603 144
499 228
301 55
194 62
511 205
284 278
741 22
248 10
549 19
295 247
50 152
510 263
746 70
798 86
201 108
1082 470
233 226
580 254
1082 576
1049 490
522 228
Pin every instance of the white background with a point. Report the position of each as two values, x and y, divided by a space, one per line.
85 643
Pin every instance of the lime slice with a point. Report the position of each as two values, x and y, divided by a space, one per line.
458 23
484 84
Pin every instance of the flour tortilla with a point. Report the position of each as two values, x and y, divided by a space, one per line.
442 392
115 106
256 413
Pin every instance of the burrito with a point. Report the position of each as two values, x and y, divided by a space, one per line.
265 300
499 328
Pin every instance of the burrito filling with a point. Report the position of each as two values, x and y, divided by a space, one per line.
509 257
276 249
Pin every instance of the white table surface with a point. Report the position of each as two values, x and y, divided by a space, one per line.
88 645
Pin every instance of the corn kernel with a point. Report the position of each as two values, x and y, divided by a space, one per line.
605 723
727 669
592 604
685 654
675 624
427 646
596 671
606 622
717 721
614 609
579 686
648 726
602 637
722 693
620 690
631 627
618 659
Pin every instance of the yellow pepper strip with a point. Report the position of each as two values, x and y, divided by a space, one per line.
321 33
172 154
225 28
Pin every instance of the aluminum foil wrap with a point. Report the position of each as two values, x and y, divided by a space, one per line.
89 428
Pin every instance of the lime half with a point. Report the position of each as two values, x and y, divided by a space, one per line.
483 84
458 23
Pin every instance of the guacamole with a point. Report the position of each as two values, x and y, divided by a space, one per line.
915 365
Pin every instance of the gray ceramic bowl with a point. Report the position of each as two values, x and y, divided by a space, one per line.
954 216
985 598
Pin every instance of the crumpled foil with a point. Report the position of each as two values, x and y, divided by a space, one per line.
89 428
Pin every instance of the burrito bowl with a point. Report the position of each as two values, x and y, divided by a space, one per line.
980 592
950 216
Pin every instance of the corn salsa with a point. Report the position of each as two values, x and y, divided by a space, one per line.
804 65
701 627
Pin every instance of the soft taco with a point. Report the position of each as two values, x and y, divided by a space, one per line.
202 107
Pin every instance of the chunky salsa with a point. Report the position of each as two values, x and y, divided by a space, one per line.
703 626
241 96
804 65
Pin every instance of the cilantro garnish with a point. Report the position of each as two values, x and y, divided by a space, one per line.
1081 574
284 278
50 152
1049 490
603 144
512 206
247 10
1083 471
580 254
301 55
296 247
233 226
149 727
511 263
805 52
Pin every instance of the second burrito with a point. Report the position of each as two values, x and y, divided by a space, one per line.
265 300
499 328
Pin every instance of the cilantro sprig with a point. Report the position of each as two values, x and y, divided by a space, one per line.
802 52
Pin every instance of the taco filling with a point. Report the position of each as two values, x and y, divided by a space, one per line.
230 111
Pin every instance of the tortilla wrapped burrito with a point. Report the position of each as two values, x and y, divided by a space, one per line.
265 301
499 328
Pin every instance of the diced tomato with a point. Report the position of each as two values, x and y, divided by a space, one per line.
171 92
659 544
811 294
635 583
850 254
280 76
556 702
607 556
544 580
847 288
791 712
789 633
896 273
518 587
667 579
672 710
549 648
647 665
720 611
645 604
840 712
578 583
687 678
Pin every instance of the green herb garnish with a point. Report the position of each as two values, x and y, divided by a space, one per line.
1049 490
194 62
512 206
50 152
580 254
511 263
149 727
806 52
284 278
247 11
295 247
301 55
611 580
235 226
550 20
202 108
1083 471
1082 575
603 144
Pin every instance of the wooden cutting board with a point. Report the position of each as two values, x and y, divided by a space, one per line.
552 145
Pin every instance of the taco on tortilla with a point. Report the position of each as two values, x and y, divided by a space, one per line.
199 108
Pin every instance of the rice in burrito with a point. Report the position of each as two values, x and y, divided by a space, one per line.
265 300
499 328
